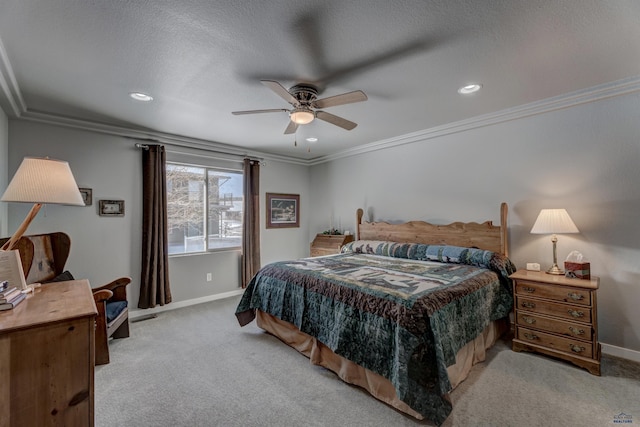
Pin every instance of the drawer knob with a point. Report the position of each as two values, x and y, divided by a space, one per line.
530 336
576 348
527 304
575 296
576 331
528 289
575 313
529 320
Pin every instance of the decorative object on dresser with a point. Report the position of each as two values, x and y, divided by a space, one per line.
327 244
12 268
40 181
46 357
554 221
557 316
12 300
283 210
47 255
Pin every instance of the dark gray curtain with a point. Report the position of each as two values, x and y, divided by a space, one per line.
154 283
251 223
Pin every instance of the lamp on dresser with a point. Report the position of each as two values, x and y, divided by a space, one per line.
40 181
554 221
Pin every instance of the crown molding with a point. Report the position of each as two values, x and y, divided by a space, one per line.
569 100
161 137
11 99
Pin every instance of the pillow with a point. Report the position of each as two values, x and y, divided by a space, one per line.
114 308
62 277
375 247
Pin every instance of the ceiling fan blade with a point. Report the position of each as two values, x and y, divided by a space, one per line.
291 128
280 91
273 110
335 120
345 98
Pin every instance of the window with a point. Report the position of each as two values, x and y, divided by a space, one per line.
203 201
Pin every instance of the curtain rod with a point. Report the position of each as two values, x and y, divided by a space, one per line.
254 159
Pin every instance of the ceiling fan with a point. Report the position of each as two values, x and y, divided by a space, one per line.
306 106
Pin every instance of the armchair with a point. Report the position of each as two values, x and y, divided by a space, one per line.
43 258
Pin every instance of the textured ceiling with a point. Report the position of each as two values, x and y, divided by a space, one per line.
201 60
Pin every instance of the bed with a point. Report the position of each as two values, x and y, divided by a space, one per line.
404 311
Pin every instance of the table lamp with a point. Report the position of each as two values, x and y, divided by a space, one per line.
554 221
40 181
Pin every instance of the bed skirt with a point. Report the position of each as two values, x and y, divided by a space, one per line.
378 386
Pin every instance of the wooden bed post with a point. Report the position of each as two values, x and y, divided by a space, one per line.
504 238
359 214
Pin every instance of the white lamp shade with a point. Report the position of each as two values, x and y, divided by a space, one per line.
554 221
40 180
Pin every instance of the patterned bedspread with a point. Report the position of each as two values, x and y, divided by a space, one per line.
400 310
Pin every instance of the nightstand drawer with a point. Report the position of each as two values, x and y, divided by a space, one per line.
557 293
565 311
549 324
566 345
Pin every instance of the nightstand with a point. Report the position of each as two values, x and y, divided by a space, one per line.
328 244
557 316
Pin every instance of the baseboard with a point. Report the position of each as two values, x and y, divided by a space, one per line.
623 353
133 314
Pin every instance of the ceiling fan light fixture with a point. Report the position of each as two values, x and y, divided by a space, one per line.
302 116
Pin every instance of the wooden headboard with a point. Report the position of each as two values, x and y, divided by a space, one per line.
468 234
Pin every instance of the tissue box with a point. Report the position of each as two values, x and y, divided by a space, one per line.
577 270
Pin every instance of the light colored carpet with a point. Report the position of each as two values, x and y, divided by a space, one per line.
195 366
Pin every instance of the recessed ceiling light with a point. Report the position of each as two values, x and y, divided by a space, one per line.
468 89
312 139
139 96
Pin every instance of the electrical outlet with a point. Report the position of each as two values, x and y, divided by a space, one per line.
209 277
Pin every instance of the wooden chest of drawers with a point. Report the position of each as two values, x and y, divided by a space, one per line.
328 244
47 358
557 316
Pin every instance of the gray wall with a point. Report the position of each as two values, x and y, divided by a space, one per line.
104 248
585 159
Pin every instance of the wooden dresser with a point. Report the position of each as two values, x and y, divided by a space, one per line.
47 357
328 244
557 316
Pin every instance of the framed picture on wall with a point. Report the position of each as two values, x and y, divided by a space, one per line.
87 196
111 208
283 210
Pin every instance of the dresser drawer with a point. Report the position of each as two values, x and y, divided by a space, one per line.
557 293
565 311
567 345
557 326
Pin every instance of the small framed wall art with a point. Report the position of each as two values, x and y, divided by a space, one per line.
87 196
111 208
283 210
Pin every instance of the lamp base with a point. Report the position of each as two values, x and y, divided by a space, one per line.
555 270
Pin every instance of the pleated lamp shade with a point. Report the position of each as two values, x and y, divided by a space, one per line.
39 180
554 221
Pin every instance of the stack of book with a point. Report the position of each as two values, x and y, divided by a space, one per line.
10 296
